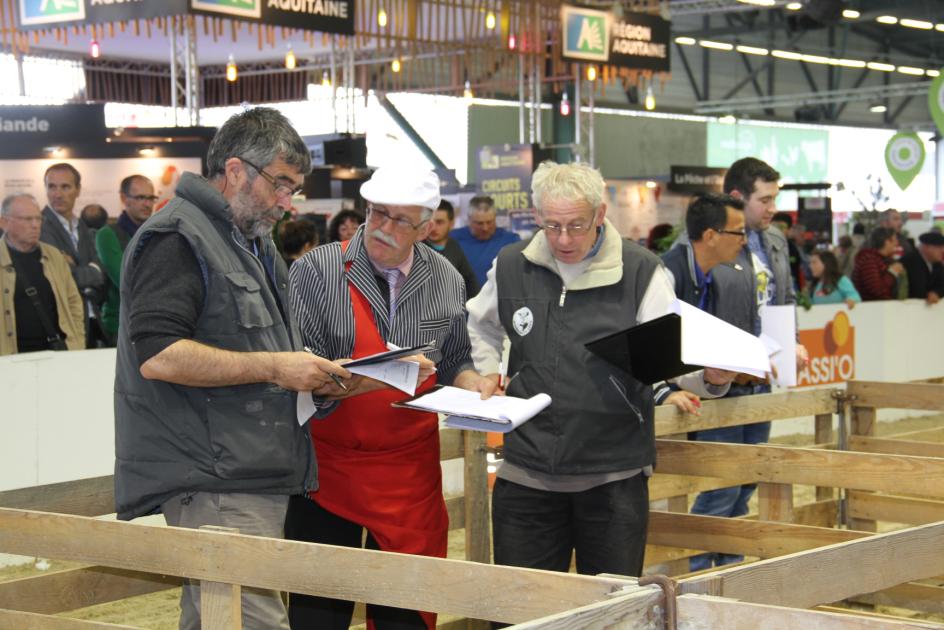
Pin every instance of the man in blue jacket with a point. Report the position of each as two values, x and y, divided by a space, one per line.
482 239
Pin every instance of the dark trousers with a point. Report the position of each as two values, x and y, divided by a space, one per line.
606 526
307 521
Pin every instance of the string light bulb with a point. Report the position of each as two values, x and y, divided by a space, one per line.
591 73
395 65
467 92
290 61
325 79
231 71
382 18
650 101
564 105
490 21
512 41
95 49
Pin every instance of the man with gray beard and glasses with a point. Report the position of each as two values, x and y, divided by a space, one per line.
378 465
210 357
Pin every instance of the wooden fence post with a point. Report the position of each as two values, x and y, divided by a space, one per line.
220 603
775 502
477 522
862 423
823 434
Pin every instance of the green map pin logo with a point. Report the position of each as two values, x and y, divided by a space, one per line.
936 101
904 157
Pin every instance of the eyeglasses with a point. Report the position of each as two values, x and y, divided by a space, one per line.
739 234
282 189
577 228
376 215
151 198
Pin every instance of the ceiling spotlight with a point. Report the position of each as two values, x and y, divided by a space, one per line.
707 43
728 119
650 102
591 73
759 3
794 6
290 60
921 24
395 65
917 72
651 184
877 65
933 73
147 151
382 18
886 19
878 109
95 49
231 72
490 21
751 50
850 14
685 41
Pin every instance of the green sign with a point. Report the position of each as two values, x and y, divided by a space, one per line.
904 157
586 34
40 12
801 155
241 8
936 101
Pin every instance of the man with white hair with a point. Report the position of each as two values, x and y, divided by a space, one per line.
379 466
42 308
574 477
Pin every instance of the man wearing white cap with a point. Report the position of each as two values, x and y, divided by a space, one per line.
379 466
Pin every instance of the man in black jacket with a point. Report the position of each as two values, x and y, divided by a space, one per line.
442 222
925 269
62 228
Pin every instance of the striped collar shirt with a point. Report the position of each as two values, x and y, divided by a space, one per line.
430 304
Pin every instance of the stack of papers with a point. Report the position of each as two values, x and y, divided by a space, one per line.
711 342
466 410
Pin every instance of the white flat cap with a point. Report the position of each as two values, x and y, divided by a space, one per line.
402 186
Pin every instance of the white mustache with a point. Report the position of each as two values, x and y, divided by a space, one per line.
384 238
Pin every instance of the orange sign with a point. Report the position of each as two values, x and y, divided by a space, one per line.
832 353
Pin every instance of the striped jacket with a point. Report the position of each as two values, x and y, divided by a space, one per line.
430 305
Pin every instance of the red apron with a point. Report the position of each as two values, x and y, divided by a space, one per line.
378 466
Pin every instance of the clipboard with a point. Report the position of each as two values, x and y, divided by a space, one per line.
390 355
650 352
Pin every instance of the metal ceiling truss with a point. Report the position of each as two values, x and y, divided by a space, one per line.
872 94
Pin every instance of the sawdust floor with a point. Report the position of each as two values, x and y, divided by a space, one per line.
159 611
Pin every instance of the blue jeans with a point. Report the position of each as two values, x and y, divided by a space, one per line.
727 502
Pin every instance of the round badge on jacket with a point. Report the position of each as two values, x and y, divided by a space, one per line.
523 320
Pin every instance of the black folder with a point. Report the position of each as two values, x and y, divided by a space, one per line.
651 351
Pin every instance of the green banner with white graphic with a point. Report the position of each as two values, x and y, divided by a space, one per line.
904 157
936 101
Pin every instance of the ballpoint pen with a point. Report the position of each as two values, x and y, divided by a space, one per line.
508 382
334 377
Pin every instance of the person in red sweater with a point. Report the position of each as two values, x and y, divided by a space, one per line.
872 275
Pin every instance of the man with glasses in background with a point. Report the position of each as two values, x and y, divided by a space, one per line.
210 357
482 239
574 477
137 199
379 466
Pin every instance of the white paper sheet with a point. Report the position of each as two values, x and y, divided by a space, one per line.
304 407
779 323
711 342
399 373
498 413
